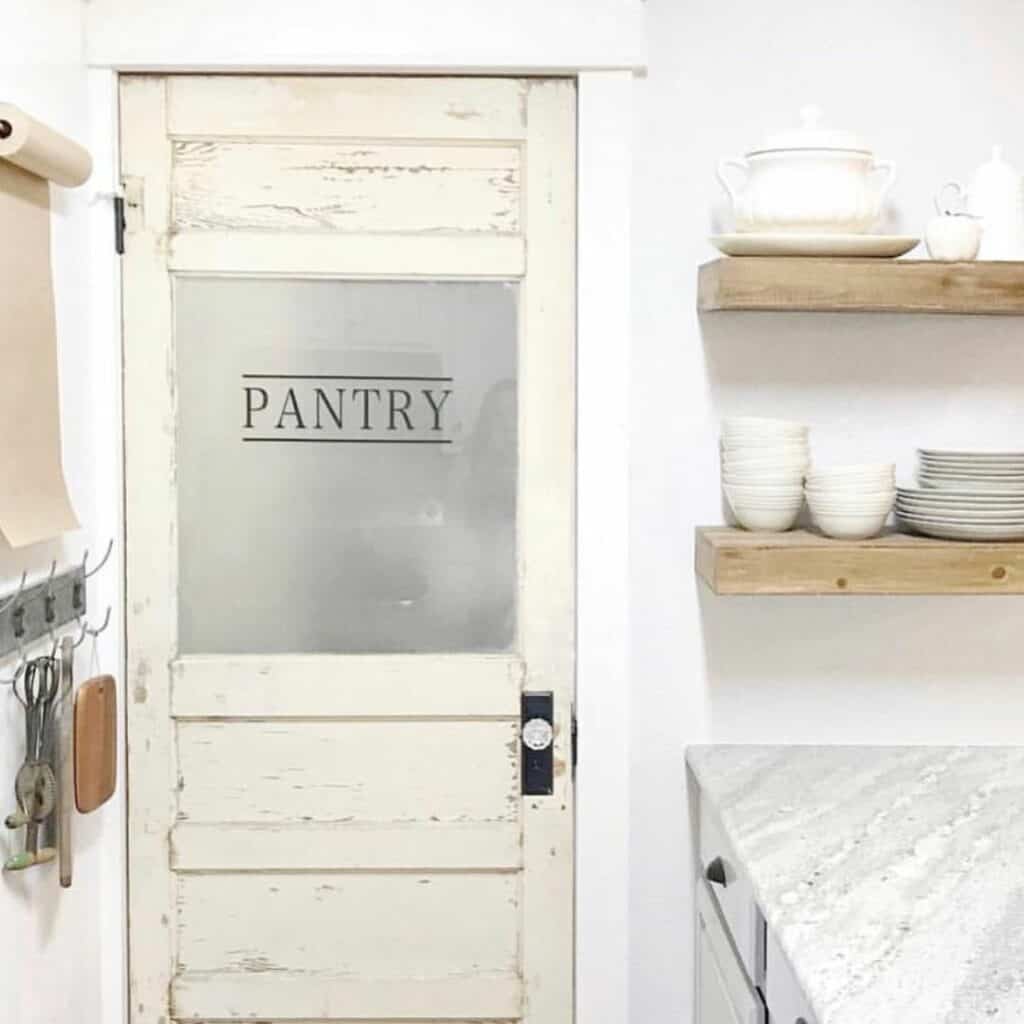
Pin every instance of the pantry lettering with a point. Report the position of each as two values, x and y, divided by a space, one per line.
345 409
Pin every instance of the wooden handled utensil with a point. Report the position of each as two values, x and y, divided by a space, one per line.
95 742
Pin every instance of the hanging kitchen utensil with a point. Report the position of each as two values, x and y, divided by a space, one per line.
95 742
65 768
35 786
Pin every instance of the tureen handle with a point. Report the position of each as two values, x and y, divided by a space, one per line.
722 166
890 177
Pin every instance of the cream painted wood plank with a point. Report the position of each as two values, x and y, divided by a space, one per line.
734 561
547 541
492 846
149 558
340 255
366 685
351 187
363 925
366 771
349 107
294 995
861 286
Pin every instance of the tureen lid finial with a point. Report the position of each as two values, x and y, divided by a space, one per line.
810 116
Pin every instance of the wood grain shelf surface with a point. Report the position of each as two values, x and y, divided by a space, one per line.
822 285
733 561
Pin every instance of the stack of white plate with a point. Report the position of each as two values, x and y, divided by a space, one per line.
966 495
763 465
970 471
851 502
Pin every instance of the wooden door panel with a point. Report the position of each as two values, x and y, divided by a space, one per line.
348 771
347 846
374 686
289 996
355 188
362 924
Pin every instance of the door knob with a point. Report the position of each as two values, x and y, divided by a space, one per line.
716 872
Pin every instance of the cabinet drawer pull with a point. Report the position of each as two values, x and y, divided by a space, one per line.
715 872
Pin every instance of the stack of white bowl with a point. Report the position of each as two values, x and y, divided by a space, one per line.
763 465
851 502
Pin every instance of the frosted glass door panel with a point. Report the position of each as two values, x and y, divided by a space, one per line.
347 456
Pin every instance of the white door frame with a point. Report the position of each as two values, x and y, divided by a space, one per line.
605 99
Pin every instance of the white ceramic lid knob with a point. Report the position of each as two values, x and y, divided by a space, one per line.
810 116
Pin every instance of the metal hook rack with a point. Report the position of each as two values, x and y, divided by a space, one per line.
41 610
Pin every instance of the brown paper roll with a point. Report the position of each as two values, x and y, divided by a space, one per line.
40 150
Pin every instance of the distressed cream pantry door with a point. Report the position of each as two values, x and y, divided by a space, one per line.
349 352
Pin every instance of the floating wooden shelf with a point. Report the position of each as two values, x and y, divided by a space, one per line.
819 285
735 561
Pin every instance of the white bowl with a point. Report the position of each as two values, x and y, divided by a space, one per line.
773 520
850 510
867 487
761 425
850 507
745 461
777 478
857 526
851 502
828 494
745 490
750 450
848 479
868 469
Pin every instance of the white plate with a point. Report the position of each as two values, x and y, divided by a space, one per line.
986 457
954 531
962 517
925 508
972 473
962 484
996 465
979 498
975 479
947 453
771 244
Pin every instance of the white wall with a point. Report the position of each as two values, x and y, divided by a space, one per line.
932 87
62 949
468 34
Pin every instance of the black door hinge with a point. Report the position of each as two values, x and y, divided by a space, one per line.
575 738
119 225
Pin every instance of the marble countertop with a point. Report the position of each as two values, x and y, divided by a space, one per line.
893 877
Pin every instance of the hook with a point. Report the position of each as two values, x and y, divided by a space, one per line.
17 593
86 631
78 591
103 561
49 601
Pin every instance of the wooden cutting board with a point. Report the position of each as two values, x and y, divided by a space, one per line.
95 742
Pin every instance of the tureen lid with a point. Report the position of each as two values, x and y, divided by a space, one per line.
810 136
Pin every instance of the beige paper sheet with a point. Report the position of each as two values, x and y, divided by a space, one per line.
34 502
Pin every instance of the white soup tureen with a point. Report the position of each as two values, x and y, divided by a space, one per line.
809 181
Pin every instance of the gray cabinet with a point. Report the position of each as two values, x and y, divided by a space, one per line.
743 977
724 992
